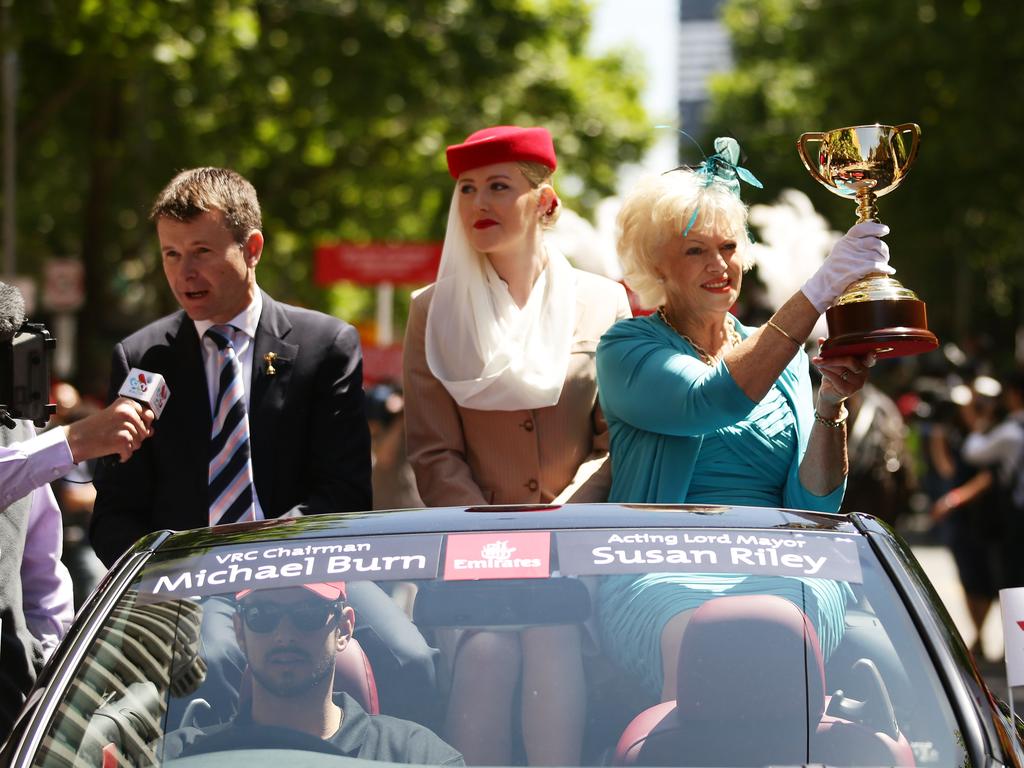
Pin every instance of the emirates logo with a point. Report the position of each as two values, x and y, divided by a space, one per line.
497 550
498 555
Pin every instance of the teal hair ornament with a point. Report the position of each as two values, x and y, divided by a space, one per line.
721 168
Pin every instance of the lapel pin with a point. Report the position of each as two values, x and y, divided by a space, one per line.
268 360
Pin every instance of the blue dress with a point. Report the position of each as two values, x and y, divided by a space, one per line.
694 436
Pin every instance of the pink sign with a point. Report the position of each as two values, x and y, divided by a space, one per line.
372 263
502 555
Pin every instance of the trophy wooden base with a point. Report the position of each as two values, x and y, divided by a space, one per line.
885 328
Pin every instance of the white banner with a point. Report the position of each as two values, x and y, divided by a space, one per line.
708 550
1011 604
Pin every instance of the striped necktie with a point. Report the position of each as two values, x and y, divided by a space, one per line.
231 479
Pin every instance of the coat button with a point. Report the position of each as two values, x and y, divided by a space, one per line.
527 425
533 485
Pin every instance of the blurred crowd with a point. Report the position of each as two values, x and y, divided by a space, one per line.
942 460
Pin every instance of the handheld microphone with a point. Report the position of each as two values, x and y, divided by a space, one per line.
12 312
147 388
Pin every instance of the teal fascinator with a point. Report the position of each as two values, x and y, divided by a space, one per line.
721 168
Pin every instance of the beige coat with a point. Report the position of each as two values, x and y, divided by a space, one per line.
463 456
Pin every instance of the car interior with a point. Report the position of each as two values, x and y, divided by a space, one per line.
753 662
753 685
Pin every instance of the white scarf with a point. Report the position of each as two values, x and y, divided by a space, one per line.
489 353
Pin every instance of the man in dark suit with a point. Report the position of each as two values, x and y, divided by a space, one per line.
309 444
300 444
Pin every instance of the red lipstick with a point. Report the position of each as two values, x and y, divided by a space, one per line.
721 285
484 223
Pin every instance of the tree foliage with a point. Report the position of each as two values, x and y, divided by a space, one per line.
952 67
337 110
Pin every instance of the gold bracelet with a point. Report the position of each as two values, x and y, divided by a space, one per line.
835 423
771 324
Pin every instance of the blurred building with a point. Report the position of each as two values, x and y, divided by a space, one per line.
704 50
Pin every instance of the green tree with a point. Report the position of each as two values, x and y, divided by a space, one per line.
337 110
951 67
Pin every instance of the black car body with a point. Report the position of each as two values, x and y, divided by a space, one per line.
901 677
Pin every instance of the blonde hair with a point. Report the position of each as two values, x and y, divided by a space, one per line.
539 174
660 208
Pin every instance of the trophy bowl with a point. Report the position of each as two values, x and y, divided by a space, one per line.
875 314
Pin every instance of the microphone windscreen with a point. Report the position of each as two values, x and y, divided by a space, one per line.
12 312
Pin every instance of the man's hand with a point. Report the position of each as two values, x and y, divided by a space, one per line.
120 429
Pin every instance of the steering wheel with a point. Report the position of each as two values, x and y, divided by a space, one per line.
874 707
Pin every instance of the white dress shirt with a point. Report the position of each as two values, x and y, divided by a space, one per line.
1002 446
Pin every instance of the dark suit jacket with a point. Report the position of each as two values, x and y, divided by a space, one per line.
310 441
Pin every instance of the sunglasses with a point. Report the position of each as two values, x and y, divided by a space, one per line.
264 617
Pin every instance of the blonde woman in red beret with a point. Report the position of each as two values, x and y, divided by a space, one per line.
501 408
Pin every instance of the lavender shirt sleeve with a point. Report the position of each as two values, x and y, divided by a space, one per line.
32 464
27 468
47 595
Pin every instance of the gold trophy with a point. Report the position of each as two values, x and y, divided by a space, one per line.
875 314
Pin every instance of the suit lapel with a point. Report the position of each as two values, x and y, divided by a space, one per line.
268 391
187 421
187 381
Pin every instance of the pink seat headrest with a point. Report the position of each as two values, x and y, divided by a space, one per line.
750 653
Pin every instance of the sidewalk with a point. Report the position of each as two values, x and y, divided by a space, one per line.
938 564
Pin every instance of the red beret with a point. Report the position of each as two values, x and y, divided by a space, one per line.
502 144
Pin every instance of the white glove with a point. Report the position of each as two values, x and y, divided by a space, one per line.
857 253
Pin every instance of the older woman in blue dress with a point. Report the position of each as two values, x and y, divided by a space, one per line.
703 409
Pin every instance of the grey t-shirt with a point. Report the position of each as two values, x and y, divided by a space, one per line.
368 737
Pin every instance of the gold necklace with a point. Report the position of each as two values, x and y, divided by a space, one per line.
731 334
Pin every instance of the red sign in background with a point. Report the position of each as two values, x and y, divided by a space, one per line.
499 555
382 364
372 263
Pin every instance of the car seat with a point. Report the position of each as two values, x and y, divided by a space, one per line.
751 692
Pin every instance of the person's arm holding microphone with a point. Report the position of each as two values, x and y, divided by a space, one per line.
119 429
32 525
29 462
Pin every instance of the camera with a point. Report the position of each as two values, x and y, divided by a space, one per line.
25 376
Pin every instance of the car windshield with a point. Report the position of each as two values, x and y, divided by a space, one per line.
667 646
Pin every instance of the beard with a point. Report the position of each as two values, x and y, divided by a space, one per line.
290 687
